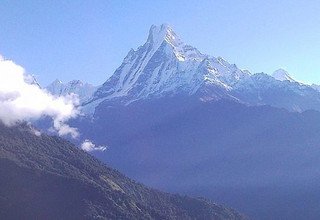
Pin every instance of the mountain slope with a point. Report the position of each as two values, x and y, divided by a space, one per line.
262 160
45 177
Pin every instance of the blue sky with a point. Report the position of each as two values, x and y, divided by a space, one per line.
88 40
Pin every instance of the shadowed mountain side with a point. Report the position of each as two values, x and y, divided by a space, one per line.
44 177
182 144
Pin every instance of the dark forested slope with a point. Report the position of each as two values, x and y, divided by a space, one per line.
44 177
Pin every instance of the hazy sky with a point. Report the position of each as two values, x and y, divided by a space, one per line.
88 40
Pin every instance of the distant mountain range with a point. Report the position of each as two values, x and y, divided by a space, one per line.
84 91
166 66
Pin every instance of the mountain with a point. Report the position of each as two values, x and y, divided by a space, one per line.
259 159
83 90
31 79
182 121
316 87
166 66
179 120
44 177
282 75
263 89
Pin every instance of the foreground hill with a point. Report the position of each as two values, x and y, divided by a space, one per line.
44 177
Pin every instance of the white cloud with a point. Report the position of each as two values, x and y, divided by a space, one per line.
88 146
22 101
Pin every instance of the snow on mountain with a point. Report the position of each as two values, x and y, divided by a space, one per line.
316 87
166 65
282 75
83 90
31 79
263 89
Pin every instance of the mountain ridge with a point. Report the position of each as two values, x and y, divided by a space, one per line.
83 90
166 66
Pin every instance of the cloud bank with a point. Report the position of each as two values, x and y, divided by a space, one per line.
88 146
23 100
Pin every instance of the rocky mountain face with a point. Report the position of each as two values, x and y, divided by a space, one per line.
44 177
166 66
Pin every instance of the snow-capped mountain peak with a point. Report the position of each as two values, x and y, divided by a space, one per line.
166 65
157 34
83 90
165 35
57 82
282 75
